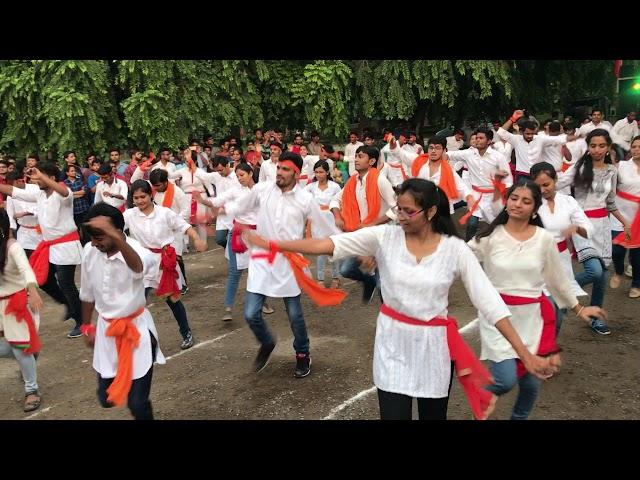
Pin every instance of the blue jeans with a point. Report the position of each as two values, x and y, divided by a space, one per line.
595 274
618 254
234 275
505 376
472 227
253 315
321 263
27 365
350 268
221 237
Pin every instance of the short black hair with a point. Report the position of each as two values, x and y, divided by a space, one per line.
35 156
15 175
314 134
486 131
328 148
529 124
111 150
105 169
67 153
68 167
555 126
277 144
438 141
50 169
105 210
164 149
458 130
158 175
371 152
294 157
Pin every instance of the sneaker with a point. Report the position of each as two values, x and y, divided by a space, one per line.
184 290
614 281
634 292
600 327
267 309
367 293
628 271
227 315
262 359
75 332
187 342
303 365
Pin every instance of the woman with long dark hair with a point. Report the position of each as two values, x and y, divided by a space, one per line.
416 340
594 179
520 258
323 189
19 322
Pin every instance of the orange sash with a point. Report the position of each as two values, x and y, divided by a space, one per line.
447 182
499 185
33 227
167 200
17 306
127 338
350 210
634 242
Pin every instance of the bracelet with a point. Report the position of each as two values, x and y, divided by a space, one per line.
88 329
580 311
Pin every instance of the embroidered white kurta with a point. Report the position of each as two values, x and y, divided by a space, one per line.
408 359
323 199
117 292
629 182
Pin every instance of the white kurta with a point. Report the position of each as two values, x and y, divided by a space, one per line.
566 212
181 205
323 199
281 216
268 171
408 359
623 132
155 230
396 161
27 235
520 269
528 153
629 182
55 216
307 169
461 187
189 183
222 184
117 292
585 129
117 187
350 155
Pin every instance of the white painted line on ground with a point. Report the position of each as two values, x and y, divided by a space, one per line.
469 326
44 410
202 344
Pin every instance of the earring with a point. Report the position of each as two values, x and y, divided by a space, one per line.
534 216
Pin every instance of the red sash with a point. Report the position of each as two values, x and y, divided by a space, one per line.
237 245
597 213
17 307
562 246
401 167
548 343
39 259
634 242
168 285
473 376
482 191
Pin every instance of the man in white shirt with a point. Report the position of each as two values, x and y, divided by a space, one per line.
164 162
411 146
528 146
283 209
23 217
596 122
54 260
350 151
268 168
624 131
124 340
110 189
456 141
553 154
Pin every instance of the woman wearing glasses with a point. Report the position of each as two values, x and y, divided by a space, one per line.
416 342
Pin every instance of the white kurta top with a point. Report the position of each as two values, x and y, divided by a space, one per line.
520 269
408 359
623 132
281 216
585 129
268 171
397 160
28 238
453 144
181 205
155 230
222 184
350 155
528 153
566 212
461 187
323 199
629 182
505 148
117 187
191 182
55 216
169 167
117 292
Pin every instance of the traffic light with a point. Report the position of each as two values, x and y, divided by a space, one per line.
635 87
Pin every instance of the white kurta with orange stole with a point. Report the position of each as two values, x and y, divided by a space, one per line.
629 182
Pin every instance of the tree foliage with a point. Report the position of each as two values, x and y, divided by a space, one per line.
92 104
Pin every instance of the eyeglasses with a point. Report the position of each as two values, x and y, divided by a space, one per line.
435 147
401 213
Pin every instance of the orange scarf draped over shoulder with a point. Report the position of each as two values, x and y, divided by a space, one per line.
350 210
447 181
167 200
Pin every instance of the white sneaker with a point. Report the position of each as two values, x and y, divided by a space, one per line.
628 271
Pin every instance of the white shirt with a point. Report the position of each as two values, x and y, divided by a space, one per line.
117 292
453 144
155 230
222 184
28 238
307 166
521 269
268 171
528 153
408 359
350 156
416 149
323 199
623 132
505 148
387 197
629 182
55 216
17 274
117 187
461 187
281 216
552 154
397 160
169 168
233 195
585 129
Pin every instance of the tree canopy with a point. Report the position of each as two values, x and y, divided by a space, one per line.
90 105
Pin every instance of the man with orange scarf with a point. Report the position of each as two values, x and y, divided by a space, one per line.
54 260
283 210
124 339
365 201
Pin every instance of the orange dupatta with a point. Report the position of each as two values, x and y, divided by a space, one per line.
447 182
167 200
350 210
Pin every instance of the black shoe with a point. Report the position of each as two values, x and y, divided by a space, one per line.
187 342
368 292
75 332
184 290
303 365
262 359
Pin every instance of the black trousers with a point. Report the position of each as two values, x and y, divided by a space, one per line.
138 401
63 289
